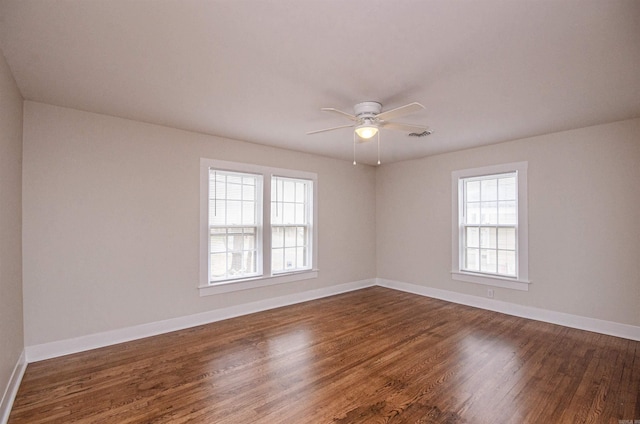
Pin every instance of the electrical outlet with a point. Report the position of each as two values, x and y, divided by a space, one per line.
490 293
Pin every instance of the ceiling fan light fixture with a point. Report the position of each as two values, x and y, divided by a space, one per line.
366 131
368 118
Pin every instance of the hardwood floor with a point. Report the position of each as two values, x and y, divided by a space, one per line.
371 356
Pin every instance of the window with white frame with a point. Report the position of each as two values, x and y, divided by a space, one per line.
235 224
257 226
490 226
290 224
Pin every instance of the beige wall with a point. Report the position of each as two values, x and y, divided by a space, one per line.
11 325
111 212
584 234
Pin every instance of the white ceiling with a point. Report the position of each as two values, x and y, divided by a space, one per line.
260 70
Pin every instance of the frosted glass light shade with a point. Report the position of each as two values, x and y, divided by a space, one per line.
366 131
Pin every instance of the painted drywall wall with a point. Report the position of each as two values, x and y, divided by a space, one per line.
110 215
584 234
111 212
11 321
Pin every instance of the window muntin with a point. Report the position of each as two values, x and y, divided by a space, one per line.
489 234
489 224
234 225
240 236
290 224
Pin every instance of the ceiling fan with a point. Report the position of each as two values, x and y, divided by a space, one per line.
368 119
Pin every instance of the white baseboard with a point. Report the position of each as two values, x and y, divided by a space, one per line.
568 320
79 344
93 341
12 388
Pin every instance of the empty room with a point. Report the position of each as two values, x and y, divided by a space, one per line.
319 211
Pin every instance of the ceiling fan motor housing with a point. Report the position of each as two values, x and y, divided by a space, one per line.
367 110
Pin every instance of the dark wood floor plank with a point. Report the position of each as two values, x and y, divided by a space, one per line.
371 356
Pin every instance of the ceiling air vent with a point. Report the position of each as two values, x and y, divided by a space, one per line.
422 134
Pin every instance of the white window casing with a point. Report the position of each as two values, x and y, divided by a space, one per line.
291 218
236 230
490 226
235 225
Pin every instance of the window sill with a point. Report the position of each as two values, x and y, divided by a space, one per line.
252 283
507 283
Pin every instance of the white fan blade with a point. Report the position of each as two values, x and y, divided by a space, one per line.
330 129
404 127
347 115
400 111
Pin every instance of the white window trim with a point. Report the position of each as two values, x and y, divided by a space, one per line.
267 279
521 282
308 212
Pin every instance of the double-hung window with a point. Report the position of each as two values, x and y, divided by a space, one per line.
235 224
290 224
490 226
258 226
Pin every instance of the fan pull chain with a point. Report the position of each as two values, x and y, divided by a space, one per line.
378 147
354 147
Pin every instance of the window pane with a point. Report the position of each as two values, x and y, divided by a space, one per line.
250 262
301 236
248 213
290 258
300 218
289 191
218 265
472 191
248 192
218 243
217 212
473 213
290 236
241 263
234 212
277 260
288 216
235 242
233 178
234 191
249 240
473 237
301 191
507 262
489 213
301 257
488 260
472 259
507 238
488 238
218 190
237 263
508 213
507 188
489 190
277 237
